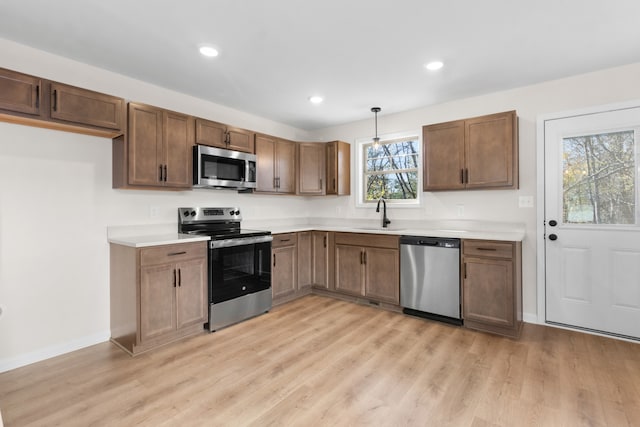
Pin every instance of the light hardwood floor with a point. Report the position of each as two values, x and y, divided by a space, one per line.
323 362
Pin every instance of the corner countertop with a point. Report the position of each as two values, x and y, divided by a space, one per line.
141 241
466 230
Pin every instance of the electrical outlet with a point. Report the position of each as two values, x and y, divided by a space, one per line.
525 201
460 210
154 212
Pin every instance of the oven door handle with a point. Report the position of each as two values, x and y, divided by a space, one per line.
239 241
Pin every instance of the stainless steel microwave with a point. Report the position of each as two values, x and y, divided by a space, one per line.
220 168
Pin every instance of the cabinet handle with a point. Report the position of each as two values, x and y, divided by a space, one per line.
321 183
160 172
361 257
55 100
278 182
461 176
487 249
274 260
466 176
365 256
334 183
285 240
465 269
165 173
38 96
180 277
324 241
174 277
176 253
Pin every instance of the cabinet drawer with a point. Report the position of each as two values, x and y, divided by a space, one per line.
172 253
487 248
285 239
371 240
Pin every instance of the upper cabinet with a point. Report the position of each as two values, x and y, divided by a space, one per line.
156 151
19 93
30 100
85 107
222 136
338 168
276 161
311 169
480 152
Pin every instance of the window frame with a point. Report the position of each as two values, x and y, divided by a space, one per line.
360 145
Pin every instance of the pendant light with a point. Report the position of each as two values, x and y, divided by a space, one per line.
376 140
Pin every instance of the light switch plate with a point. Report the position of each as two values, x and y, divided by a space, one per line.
525 201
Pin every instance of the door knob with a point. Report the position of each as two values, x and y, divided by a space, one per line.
553 223
553 237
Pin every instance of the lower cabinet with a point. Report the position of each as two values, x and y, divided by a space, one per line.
322 259
284 264
492 286
158 294
368 265
305 259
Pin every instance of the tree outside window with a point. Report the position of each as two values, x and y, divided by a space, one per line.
599 179
391 170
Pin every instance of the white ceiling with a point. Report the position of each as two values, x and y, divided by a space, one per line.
356 53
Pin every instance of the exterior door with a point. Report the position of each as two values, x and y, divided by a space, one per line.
592 231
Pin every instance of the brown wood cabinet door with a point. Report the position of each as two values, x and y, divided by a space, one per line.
344 169
349 269
488 291
266 163
20 93
81 106
320 264
490 145
157 297
177 149
145 145
283 270
382 274
240 140
311 169
443 156
305 259
191 298
286 166
332 168
338 168
211 133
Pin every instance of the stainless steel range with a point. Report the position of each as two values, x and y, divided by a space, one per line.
238 262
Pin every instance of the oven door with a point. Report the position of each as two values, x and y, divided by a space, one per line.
239 270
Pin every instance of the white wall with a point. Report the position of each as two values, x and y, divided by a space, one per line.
56 200
598 88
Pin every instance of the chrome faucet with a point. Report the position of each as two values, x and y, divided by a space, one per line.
385 220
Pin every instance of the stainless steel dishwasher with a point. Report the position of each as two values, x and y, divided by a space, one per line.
430 277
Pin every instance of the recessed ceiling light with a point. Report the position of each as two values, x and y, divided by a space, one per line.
209 51
434 65
316 99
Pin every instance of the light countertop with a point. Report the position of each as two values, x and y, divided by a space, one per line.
141 241
514 235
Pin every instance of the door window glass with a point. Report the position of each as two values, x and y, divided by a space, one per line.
599 178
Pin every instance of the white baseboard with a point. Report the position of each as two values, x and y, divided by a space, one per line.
530 318
14 362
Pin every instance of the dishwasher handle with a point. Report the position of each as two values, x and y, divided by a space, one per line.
440 242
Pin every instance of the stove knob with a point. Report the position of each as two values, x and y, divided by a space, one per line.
193 213
238 212
185 213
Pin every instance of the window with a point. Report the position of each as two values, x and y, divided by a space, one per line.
599 179
390 170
